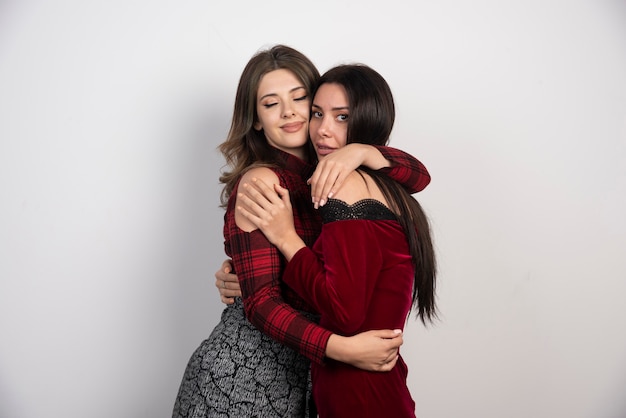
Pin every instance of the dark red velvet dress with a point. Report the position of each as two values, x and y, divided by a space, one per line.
359 276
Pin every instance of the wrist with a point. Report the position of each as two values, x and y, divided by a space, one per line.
373 158
336 348
290 245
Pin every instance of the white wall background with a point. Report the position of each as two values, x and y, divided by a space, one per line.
110 231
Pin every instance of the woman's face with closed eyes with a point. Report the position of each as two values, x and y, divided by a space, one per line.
283 107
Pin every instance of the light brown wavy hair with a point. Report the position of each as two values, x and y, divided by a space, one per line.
245 147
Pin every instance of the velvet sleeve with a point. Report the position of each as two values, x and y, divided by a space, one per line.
338 278
405 169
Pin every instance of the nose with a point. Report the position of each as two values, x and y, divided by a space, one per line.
323 129
288 111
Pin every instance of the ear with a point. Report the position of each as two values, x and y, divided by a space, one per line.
257 126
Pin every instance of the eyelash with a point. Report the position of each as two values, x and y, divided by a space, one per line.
343 117
297 99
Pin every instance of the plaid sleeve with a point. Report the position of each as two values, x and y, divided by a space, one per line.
259 265
405 169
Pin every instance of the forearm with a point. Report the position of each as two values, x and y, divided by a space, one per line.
375 350
290 244
338 348
258 263
373 158
268 312
405 169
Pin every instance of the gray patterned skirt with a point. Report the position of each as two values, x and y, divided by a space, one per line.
240 372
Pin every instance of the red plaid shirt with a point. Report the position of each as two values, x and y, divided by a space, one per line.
271 305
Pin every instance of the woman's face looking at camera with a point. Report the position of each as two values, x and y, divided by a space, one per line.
329 119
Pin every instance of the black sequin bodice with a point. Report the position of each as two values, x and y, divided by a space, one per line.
371 209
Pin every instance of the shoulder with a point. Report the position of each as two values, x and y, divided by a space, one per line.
265 174
358 186
354 188
268 175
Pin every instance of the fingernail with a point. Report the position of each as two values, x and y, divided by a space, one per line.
322 202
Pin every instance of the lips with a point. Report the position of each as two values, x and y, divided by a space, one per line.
323 150
292 127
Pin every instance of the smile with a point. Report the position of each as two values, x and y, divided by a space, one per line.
292 127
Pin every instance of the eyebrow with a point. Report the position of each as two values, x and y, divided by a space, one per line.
332 109
275 94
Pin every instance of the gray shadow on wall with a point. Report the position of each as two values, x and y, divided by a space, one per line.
195 300
8 407
192 300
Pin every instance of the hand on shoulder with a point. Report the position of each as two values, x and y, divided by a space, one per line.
262 173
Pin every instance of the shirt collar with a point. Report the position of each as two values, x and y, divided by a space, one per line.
295 164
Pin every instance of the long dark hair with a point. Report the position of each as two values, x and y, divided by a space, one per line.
372 114
245 146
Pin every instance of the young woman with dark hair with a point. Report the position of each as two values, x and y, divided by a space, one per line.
374 259
256 360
